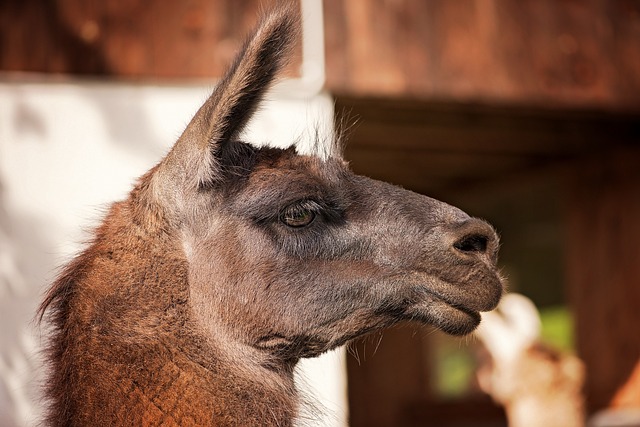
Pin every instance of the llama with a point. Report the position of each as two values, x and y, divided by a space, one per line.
537 385
228 263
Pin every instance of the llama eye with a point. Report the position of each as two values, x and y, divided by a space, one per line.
297 216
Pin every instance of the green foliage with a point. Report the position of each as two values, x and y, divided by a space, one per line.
557 327
454 367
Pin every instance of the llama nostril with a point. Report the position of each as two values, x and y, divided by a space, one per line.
475 237
472 243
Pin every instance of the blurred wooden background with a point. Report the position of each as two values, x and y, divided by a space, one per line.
526 112
564 52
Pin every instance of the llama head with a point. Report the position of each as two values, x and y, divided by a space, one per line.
292 254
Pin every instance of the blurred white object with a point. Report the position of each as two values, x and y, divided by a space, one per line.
537 385
616 417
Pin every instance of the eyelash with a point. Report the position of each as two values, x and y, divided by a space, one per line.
300 214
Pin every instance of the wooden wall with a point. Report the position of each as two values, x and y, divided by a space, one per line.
416 70
528 52
497 162
603 272
124 38
551 52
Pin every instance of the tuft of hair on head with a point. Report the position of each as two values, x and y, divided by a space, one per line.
345 124
326 141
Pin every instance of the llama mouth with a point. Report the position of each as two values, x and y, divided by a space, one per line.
452 318
454 307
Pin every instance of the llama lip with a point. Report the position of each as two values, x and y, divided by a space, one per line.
452 305
450 317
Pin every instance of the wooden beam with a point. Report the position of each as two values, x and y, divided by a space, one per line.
524 52
446 148
603 269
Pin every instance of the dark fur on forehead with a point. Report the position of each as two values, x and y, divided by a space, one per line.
239 159
272 178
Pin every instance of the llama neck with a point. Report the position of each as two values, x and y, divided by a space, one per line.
163 384
126 352
153 384
120 379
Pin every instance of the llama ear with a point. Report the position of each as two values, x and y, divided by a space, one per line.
193 162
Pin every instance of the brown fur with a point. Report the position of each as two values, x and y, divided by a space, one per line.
197 297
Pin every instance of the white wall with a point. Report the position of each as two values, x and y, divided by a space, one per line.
67 149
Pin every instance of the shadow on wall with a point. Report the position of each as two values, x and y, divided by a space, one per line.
24 261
